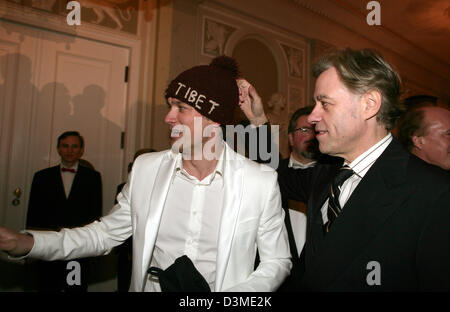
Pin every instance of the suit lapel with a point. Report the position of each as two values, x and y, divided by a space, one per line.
156 204
233 186
377 196
76 184
59 186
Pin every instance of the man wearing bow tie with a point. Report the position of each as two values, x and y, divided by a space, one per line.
66 195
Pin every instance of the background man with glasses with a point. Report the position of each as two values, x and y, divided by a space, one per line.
302 141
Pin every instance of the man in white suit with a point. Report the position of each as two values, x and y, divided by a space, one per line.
199 199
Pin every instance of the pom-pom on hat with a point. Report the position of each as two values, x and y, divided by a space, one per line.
210 89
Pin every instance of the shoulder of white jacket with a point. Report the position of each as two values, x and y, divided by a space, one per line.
153 156
246 162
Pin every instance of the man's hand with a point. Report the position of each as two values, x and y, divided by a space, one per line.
14 243
250 103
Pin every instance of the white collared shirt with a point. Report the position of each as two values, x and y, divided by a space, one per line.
295 164
67 177
360 166
190 223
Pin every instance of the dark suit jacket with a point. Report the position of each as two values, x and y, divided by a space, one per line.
298 265
398 216
49 208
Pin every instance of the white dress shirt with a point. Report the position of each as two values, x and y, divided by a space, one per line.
67 177
294 163
190 223
360 166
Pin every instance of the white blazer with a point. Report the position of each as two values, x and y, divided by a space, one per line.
252 218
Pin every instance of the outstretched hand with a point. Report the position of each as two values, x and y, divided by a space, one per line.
15 243
250 102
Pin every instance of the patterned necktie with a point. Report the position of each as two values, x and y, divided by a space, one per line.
334 208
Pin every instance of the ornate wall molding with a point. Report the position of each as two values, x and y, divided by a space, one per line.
215 35
308 5
413 62
117 15
295 59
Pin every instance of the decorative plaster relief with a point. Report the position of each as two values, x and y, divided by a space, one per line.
215 36
295 60
116 14
110 9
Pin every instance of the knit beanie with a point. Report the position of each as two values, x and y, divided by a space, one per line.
210 89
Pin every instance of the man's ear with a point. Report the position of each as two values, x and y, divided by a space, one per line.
371 101
418 141
82 152
291 139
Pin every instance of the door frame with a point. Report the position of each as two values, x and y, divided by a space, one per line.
47 21
136 101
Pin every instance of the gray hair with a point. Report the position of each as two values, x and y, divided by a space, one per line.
364 70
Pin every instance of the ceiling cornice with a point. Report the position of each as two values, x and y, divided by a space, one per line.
349 17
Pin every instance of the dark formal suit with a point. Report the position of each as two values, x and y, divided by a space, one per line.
297 271
285 203
297 267
398 216
49 209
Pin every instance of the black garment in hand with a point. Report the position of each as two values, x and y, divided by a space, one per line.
180 276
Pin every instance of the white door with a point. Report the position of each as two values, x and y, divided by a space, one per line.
51 83
17 93
93 75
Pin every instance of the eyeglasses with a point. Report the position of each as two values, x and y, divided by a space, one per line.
304 130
